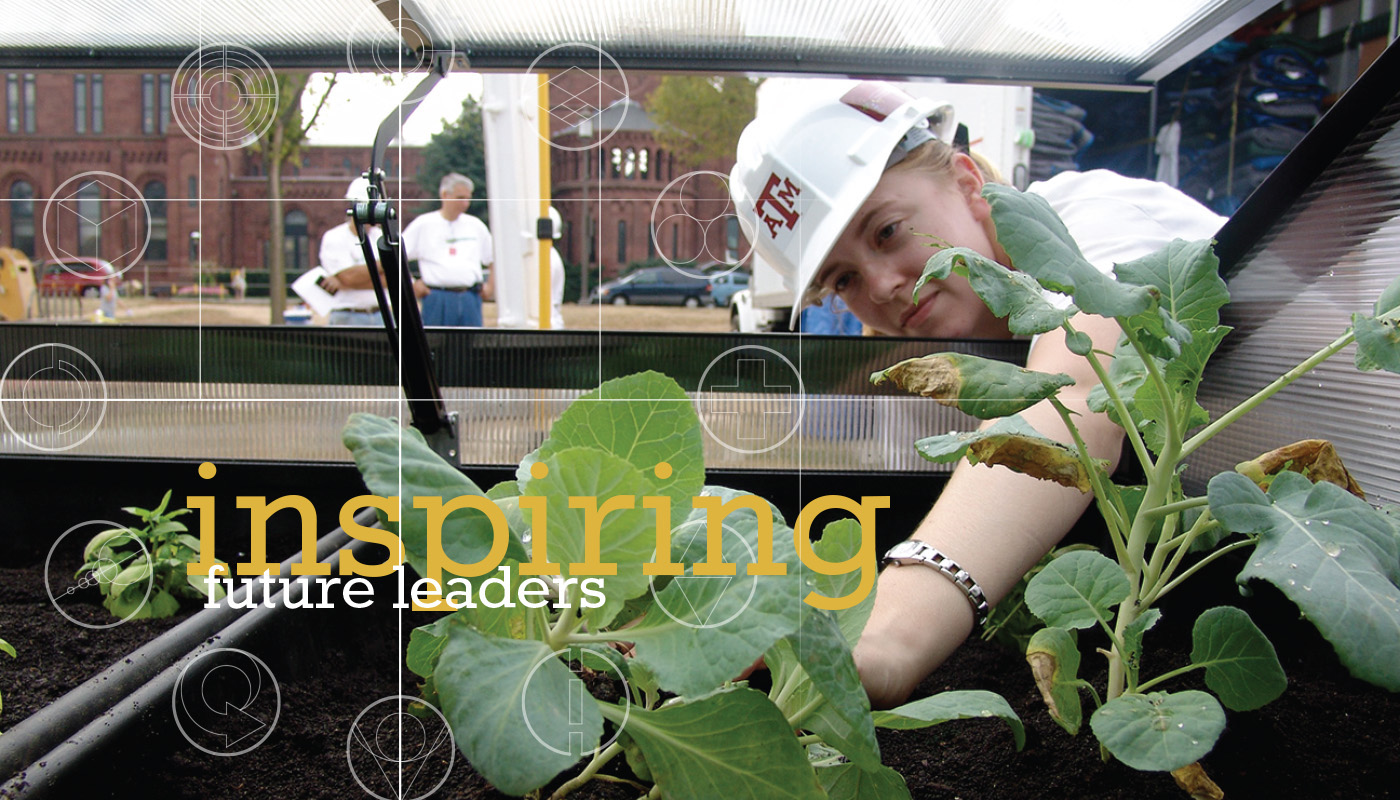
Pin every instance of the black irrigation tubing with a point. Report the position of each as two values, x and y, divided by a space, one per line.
42 751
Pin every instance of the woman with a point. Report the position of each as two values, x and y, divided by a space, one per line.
842 197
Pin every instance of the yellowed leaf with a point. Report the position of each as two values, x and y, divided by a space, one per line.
1193 780
1316 459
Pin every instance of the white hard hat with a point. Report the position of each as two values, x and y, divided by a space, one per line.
358 189
558 223
803 172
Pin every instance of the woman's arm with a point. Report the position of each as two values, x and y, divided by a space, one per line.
994 522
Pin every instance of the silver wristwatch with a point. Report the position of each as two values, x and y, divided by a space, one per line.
914 551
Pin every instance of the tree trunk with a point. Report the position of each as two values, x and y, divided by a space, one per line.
276 263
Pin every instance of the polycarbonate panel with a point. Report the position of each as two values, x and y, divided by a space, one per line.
1091 40
1329 256
765 402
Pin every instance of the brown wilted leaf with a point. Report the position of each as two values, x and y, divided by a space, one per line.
1043 667
931 376
1315 459
1032 457
1193 779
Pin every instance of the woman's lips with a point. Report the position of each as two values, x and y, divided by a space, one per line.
919 312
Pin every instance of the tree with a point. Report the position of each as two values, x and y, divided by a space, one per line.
459 147
280 144
699 118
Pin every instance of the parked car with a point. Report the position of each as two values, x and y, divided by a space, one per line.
74 276
723 287
654 286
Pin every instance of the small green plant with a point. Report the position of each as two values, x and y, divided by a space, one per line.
1327 549
501 673
142 572
8 649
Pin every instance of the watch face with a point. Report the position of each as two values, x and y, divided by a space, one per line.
903 550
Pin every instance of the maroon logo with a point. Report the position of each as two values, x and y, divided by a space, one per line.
779 197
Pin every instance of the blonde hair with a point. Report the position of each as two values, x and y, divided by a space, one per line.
936 158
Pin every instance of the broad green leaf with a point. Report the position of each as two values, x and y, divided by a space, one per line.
841 540
136 574
518 714
1054 658
1132 641
425 643
503 490
1190 293
644 419
948 706
982 387
1007 293
203 585
123 537
704 630
1039 244
1241 665
1013 444
818 653
1331 554
1077 590
384 450
1158 731
731 744
1377 343
627 537
163 604
850 782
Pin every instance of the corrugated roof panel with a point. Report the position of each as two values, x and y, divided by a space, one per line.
1095 40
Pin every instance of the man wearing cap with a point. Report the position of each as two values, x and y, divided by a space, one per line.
344 261
451 248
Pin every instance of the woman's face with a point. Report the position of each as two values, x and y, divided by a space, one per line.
881 254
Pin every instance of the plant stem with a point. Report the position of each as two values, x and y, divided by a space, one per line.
562 631
600 758
1165 676
1115 516
1182 544
1098 703
1134 436
1159 594
810 738
802 713
789 686
1225 420
1169 413
1177 507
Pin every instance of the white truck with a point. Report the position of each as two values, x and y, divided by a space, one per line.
998 119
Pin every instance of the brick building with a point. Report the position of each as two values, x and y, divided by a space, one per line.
77 147
623 198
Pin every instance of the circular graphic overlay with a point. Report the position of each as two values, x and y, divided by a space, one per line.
765 419
567 738
124 548
52 397
706 601
382 39
398 754
224 96
226 701
97 212
583 93
696 208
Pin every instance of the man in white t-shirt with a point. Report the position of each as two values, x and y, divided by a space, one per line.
451 248
344 261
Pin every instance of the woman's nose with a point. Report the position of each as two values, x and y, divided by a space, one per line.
885 283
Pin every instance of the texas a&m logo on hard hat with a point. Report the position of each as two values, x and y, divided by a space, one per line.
777 204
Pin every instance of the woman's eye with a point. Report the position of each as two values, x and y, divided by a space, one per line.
841 282
886 233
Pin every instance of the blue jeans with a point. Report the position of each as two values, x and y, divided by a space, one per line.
452 309
346 317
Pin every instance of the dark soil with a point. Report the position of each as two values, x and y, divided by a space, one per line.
53 654
1329 736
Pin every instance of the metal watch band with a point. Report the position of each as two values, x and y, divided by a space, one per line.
920 552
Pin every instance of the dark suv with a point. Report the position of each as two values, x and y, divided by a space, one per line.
654 286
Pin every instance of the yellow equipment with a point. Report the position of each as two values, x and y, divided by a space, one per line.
16 284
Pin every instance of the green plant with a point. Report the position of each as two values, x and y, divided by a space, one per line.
1328 550
142 571
6 647
501 674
